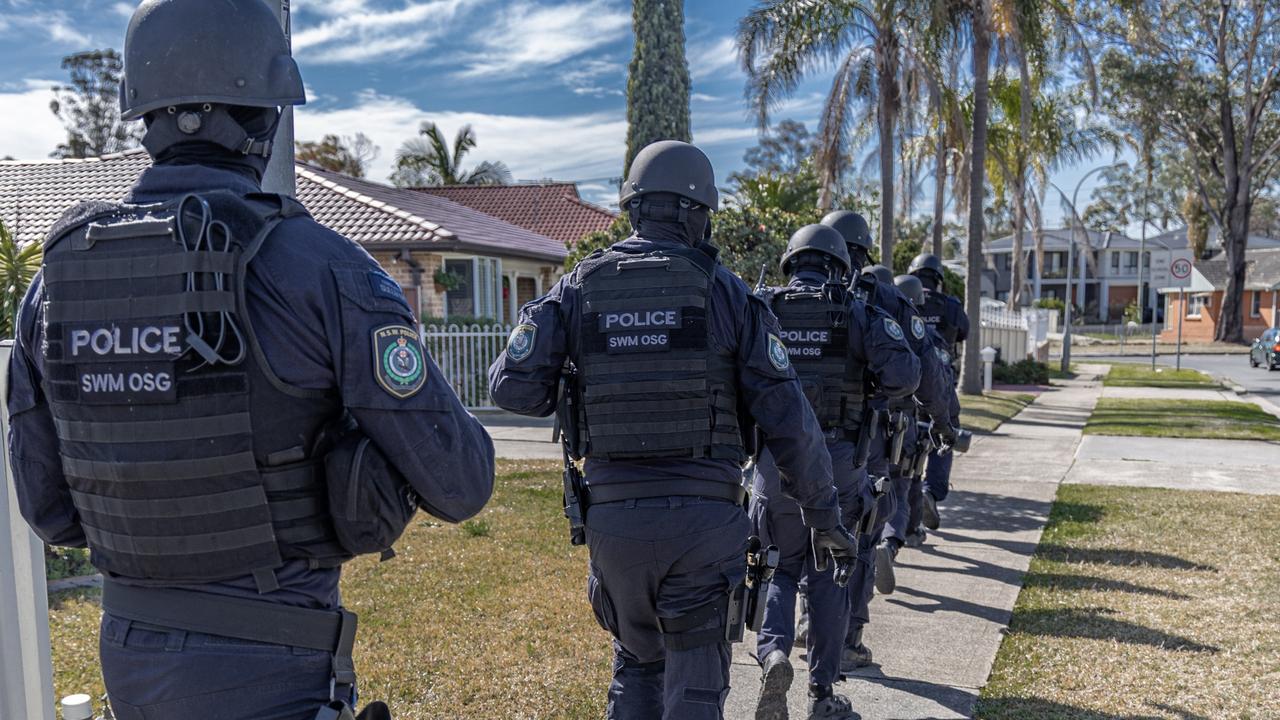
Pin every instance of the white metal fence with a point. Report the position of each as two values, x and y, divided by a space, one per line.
464 354
1017 334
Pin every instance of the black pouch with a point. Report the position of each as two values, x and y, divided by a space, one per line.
369 500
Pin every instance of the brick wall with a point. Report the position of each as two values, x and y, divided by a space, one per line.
431 301
1201 329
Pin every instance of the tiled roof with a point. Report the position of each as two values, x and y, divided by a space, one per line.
1261 270
551 209
34 194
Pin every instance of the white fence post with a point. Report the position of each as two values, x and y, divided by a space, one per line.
1006 330
26 672
464 355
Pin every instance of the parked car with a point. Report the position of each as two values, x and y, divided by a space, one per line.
1266 350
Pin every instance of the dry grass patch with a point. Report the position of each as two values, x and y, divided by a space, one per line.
1149 417
1135 608
985 413
484 620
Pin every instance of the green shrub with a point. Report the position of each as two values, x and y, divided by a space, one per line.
1050 304
1023 372
60 563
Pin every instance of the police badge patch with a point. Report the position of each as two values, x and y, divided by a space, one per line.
943 356
520 344
893 328
778 356
917 327
398 361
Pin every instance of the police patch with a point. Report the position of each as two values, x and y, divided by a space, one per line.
917 327
778 356
398 360
943 356
893 328
520 344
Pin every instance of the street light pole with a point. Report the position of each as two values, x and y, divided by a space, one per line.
1071 247
279 177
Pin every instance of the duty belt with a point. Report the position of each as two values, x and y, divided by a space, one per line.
617 492
331 631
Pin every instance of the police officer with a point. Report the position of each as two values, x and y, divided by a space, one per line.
205 380
946 316
839 346
672 360
874 285
945 423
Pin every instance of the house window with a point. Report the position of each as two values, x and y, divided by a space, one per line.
1115 262
1196 304
479 291
1255 308
1131 263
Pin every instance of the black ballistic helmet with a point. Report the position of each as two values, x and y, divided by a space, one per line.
881 273
911 286
671 166
191 52
852 226
926 262
816 239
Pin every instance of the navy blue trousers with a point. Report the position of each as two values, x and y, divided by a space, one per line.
862 585
664 558
900 522
937 475
155 673
777 522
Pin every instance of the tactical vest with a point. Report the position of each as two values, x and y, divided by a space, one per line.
815 329
650 384
936 313
187 459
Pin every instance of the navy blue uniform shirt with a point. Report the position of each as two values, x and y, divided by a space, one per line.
740 325
935 387
314 335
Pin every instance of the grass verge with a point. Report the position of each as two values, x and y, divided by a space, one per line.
484 620
1127 612
1219 419
1143 376
985 413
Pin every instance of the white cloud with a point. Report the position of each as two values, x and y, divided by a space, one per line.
595 77
55 24
28 131
714 59
530 36
123 9
565 147
352 32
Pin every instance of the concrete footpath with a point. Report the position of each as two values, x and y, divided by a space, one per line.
935 639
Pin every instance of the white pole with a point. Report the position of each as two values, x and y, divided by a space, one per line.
1182 312
280 173
26 671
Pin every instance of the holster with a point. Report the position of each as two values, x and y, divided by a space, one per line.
747 603
879 486
867 434
898 431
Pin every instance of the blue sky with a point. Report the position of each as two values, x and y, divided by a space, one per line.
541 81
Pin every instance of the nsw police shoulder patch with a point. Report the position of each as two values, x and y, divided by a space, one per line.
943 356
917 327
778 356
520 344
893 328
399 363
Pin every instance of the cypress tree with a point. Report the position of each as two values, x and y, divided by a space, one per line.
658 80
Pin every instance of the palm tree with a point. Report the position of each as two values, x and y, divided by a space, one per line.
18 265
1035 138
428 160
781 42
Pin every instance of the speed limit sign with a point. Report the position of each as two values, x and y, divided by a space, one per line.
1180 269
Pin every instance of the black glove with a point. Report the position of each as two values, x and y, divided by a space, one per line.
946 435
840 546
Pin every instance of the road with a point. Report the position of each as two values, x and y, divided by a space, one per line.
1260 383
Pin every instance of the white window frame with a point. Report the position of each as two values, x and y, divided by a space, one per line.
1255 305
513 304
1115 263
479 303
1199 302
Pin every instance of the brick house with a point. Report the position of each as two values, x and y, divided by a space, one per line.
496 266
1197 306
555 210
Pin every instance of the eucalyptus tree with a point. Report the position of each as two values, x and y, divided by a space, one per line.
1208 77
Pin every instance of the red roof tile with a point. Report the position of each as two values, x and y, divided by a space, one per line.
551 209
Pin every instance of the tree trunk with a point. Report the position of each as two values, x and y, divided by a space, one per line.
939 183
1037 223
1020 191
1230 327
887 113
972 384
